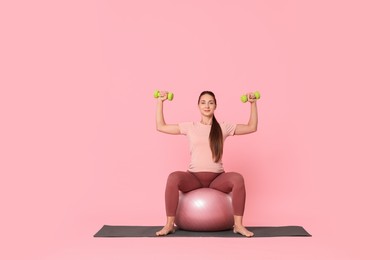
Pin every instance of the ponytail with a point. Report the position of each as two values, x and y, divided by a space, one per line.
216 140
215 137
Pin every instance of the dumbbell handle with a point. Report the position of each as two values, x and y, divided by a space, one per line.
156 94
244 98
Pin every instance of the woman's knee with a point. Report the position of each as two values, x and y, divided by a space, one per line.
174 177
237 179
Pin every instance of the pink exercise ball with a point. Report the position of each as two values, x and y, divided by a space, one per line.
204 209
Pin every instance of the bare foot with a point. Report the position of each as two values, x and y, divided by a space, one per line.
168 229
243 231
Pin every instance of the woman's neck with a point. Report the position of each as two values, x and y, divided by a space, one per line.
206 120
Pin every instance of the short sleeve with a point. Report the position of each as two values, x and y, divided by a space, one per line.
184 127
229 128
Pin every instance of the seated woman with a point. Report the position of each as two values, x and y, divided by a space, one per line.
206 140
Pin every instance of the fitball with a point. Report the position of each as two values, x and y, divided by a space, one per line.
204 209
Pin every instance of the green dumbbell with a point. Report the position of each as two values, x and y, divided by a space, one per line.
244 98
157 94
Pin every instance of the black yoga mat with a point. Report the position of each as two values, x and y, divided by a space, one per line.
150 231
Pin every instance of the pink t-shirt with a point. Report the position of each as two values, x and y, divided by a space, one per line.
200 151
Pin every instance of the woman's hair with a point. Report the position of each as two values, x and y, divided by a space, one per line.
215 137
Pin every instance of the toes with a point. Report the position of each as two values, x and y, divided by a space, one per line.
161 233
165 231
243 231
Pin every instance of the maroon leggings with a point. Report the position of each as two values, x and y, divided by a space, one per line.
187 181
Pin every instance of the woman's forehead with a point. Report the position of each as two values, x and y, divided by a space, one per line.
206 97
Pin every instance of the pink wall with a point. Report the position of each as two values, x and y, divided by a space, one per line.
79 147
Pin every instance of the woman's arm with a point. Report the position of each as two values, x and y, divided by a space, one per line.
161 126
251 127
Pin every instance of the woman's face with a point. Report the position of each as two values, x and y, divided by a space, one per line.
207 105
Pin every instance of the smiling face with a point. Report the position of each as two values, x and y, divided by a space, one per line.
207 105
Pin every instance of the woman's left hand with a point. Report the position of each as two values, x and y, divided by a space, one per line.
251 97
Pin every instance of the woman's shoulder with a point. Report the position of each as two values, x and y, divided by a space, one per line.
228 127
188 123
185 127
227 124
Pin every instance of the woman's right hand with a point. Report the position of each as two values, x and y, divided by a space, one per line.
160 122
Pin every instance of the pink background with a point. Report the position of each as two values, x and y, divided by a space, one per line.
79 149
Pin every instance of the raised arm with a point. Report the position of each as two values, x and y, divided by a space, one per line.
242 129
161 126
